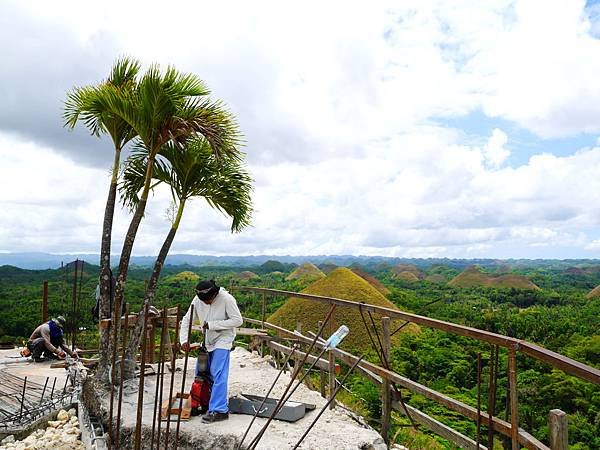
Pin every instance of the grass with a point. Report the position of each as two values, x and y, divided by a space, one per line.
407 276
183 276
345 284
371 280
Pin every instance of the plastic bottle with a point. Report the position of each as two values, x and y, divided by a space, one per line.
337 337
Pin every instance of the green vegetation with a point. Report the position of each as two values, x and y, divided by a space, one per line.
558 316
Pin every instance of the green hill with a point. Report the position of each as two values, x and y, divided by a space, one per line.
345 284
306 272
183 276
473 276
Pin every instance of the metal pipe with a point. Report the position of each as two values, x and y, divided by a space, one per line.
283 398
239 446
116 324
332 397
121 375
73 305
140 404
185 363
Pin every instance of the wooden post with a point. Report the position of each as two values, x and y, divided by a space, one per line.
558 430
321 371
514 401
298 359
331 378
386 393
45 302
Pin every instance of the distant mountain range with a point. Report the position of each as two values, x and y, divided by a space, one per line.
37 260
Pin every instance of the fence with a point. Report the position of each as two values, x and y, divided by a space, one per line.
388 380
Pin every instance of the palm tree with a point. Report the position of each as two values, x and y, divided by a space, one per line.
84 104
168 107
193 171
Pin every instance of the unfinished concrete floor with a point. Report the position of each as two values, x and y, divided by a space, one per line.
250 374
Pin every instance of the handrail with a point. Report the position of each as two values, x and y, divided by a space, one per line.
374 370
561 362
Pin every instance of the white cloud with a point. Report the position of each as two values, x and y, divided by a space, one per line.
343 109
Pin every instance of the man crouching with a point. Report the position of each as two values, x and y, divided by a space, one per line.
47 340
217 311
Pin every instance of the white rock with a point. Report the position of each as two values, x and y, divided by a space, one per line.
63 415
72 412
73 419
8 440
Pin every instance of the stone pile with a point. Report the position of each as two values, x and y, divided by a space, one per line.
62 433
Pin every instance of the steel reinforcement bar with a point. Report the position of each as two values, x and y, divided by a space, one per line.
556 360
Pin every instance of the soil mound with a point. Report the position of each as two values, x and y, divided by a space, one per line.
247 275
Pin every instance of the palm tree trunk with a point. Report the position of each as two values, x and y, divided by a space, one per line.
105 274
134 339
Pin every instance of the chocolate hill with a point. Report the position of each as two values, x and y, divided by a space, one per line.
372 280
306 272
402 268
406 276
344 284
183 276
594 292
247 275
473 276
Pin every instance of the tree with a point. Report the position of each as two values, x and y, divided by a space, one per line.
85 104
192 171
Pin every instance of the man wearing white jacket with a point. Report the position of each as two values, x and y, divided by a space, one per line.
217 311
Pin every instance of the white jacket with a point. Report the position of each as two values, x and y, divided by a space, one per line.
222 316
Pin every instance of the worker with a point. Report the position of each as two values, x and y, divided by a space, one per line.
217 311
47 340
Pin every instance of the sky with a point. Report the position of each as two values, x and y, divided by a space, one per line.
460 129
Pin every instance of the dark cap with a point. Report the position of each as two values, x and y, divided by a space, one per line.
207 289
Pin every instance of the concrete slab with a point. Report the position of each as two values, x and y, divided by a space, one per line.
12 361
249 373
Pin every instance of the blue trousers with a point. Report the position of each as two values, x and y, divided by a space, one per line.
218 366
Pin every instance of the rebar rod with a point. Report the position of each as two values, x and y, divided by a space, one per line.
283 398
160 393
53 384
158 378
121 375
116 324
44 391
239 446
140 404
185 363
332 397
73 305
23 397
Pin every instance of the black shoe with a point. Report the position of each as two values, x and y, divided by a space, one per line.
38 359
212 416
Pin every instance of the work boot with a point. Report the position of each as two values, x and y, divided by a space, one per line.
213 416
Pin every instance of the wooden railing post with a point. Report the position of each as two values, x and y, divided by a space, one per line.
45 302
514 400
321 371
297 359
386 393
558 430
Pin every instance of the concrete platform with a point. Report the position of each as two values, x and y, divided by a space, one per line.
249 373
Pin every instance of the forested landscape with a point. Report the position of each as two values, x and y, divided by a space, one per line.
557 316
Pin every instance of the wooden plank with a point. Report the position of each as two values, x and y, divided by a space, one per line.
168 408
